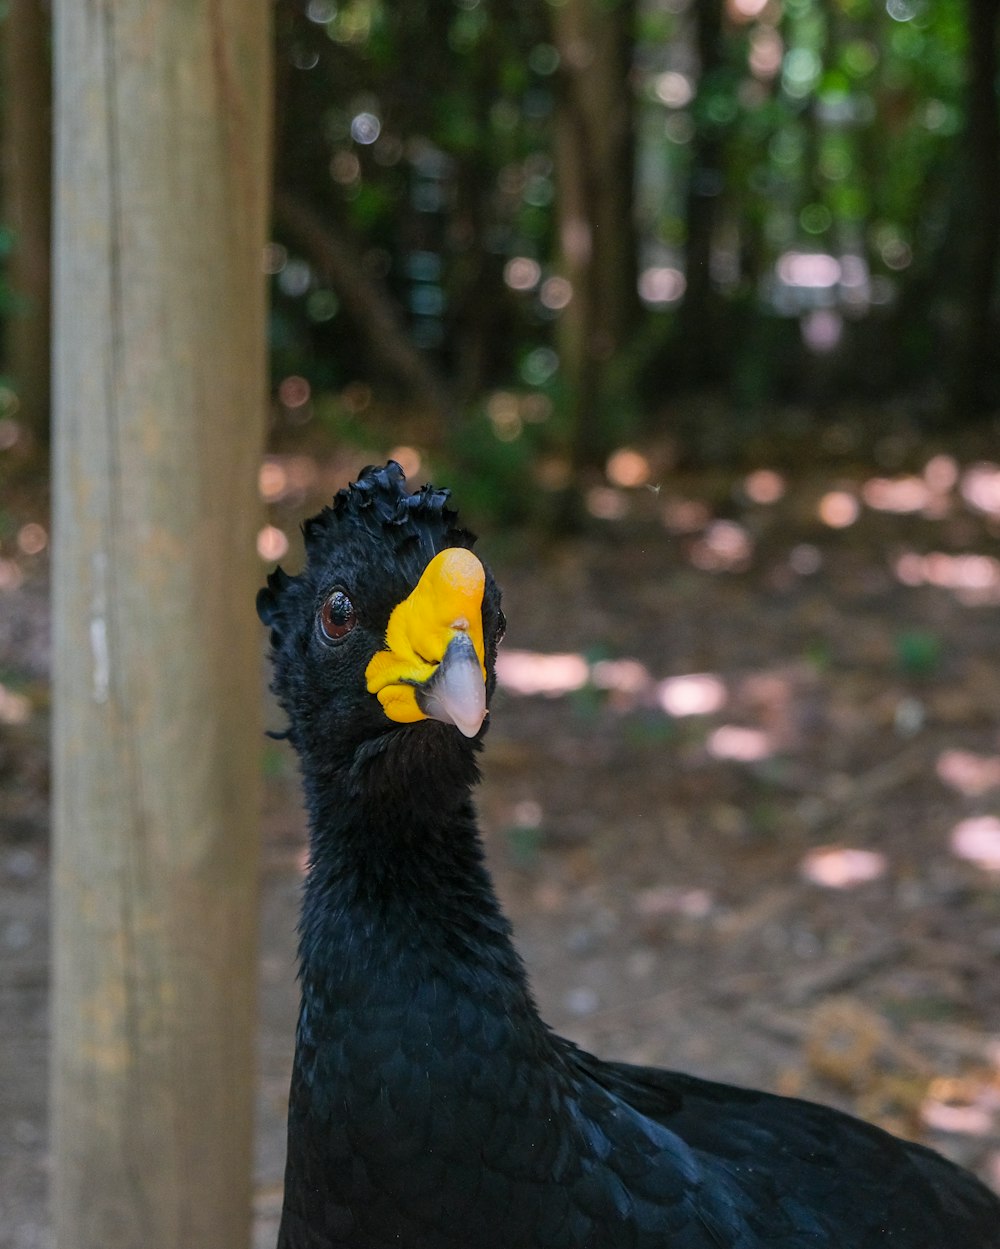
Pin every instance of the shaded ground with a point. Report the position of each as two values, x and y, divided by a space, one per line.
662 844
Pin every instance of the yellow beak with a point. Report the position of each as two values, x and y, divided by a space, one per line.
433 663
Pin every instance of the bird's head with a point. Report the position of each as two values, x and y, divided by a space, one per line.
384 646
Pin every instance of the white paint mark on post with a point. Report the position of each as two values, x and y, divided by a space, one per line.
99 631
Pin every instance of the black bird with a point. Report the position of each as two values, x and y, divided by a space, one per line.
431 1108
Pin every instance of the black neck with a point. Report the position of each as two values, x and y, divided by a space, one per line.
398 891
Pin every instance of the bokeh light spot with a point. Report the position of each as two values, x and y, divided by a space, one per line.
556 293
974 579
896 494
15 708
977 839
696 694
539 366
838 509
969 773
734 741
294 392
11 575
272 481
941 473
745 10
32 538
812 270
981 488
673 89
841 867
685 515
767 50
963 1105
272 543
365 128
822 330
408 458
533 672
805 559
661 285
345 168
626 676
521 273
725 546
626 467
764 485
606 503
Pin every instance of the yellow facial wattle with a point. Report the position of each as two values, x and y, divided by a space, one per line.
446 602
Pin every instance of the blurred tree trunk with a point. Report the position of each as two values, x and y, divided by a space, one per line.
159 398
594 146
481 323
975 371
27 182
365 301
303 219
702 342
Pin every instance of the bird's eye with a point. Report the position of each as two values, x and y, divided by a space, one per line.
337 616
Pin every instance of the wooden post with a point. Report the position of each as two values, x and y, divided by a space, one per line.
162 161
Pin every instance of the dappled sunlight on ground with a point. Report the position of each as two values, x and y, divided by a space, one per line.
697 694
625 676
977 839
660 900
841 867
981 488
968 1105
733 741
528 672
973 579
770 697
552 674
896 494
969 773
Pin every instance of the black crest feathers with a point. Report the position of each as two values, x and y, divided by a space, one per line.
267 598
379 503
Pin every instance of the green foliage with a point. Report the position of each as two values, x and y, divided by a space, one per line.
918 652
648 729
525 845
425 133
493 475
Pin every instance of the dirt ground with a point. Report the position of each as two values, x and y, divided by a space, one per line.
746 825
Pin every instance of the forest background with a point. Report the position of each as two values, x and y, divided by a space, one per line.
523 234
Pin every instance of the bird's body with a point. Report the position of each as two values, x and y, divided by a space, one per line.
430 1106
